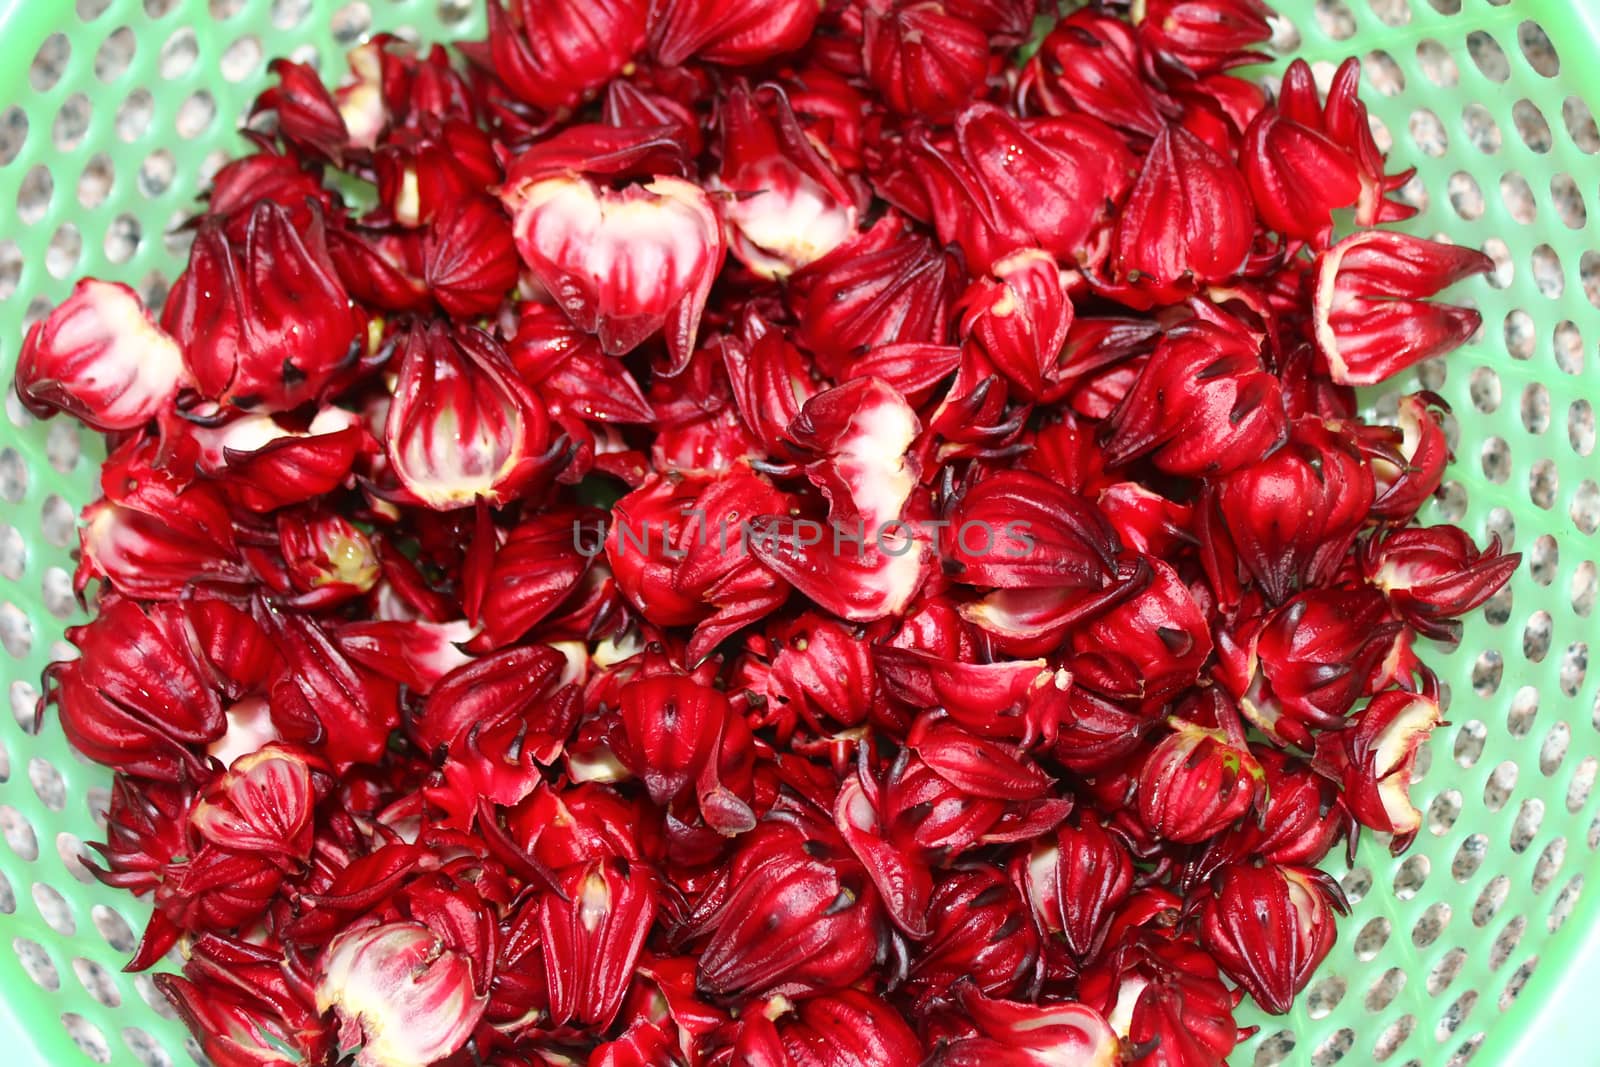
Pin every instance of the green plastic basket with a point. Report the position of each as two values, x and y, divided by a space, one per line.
1480 944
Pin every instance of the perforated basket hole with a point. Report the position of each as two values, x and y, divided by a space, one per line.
1582 784
18 833
36 963
1275 1049
1585 508
1565 901
1491 900
87 1036
1469 857
1426 930
1326 995
1554 749
1334 1048
1356 883
113 928
1487 55
145 1048
1549 866
1530 816
1383 991
97 982
1580 427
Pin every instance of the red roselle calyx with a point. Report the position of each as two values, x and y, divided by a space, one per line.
774 537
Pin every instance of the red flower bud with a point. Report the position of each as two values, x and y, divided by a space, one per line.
1205 36
1005 185
462 425
1168 1001
1161 630
1374 762
266 323
1371 314
788 205
1195 782
1433 576
821 670
926 61
882 287
308 118
542 562
848 1028
137 698
1269 928
1012 1034
771 381
1017 529
152 536
1303 819
469 262
733 33
327 559
1317 654
399 994
554 53
1019 318
1188 220
1145 521
1293 515
1092 64
672 730
623 264
567 366
979 931
320 697
1203 403
261 465
1408 459
794 920
281 178
591 939
491 690
429 170
1298 177
263 804
1075 882
100 357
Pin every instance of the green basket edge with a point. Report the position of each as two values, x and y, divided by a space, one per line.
1552 1016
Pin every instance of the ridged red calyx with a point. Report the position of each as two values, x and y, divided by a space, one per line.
1373 319
1015 1034
926 60
1197 782
787 206
263 323
1205 36
596 250
1004 184
1434 575
1374 761
1091 64
99 357
552 53
462 425
799 916
1293 515
1186 221
1269 927
1076 881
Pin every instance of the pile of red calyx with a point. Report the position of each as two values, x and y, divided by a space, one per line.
749 532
